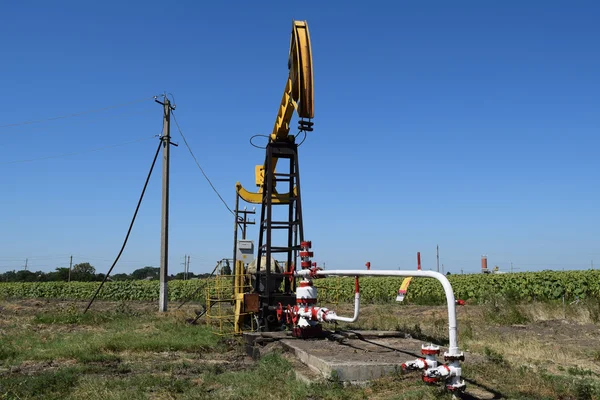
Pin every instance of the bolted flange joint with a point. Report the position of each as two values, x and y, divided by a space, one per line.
430 350
416 365
458 386
454 357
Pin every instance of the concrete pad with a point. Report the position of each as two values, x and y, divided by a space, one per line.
355 360
354 357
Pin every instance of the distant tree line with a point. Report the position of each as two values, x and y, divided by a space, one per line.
150 273
85 272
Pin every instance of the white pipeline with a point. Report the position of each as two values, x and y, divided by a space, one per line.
452 332
332 316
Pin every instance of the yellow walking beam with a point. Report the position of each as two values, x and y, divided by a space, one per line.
298 95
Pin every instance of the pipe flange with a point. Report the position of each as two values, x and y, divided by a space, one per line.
456 387
430 350
454 357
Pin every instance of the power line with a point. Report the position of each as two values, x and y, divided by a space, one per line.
37 121
130 226
198 164
45 129
79 152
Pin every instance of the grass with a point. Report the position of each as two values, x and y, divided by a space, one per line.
44 385
128 353
59 353
271 378
105 334
502 311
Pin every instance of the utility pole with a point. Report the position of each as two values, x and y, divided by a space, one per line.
70 266
511 267
163 296
438 257
26 264
236 222
245 222
592 263
241 223
187 274
184 267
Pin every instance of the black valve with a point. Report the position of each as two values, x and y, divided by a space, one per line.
306 126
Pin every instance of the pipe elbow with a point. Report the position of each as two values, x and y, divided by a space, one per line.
331 316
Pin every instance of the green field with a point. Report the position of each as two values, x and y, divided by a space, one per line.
476 288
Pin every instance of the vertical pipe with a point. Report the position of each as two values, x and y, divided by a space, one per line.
291 226
269 193
235 236
260 243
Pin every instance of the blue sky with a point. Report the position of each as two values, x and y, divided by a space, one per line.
472 125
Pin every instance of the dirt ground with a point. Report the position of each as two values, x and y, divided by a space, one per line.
546 337
560 341
563 335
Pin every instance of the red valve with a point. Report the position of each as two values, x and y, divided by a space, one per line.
313 271
288 315
290 272
294 314
460 302
279 312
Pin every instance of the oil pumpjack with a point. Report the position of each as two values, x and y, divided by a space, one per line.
275 290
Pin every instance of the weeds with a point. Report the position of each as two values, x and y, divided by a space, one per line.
128 354
593 307
7 352
45 385
578 371
466 330
88 358
71 315
440 328
493 356
500 311
584 390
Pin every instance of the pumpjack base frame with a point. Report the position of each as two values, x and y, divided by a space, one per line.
313 332
268 310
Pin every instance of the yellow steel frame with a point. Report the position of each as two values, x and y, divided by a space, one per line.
224 311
